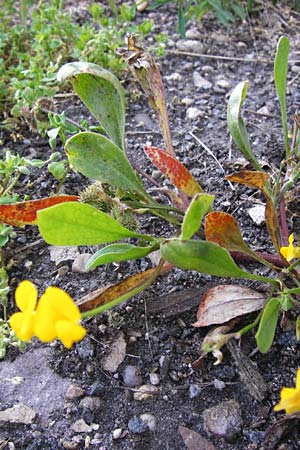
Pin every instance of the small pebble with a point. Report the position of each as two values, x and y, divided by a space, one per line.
219 384
137 426
90 403
200 82
193 113
80 426
154 378
74 392
223 84
132 376
194 391
117 433
150 420
145 392
97 388
189 45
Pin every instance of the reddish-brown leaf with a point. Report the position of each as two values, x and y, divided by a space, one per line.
25 213
224 302
107 294
251 178
222 229
174 170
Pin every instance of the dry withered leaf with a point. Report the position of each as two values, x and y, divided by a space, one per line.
116 354
25 213
251 178
174 170
225 302
107 294
194 440
146 72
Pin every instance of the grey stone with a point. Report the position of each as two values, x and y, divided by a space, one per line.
150 420
90 403
295 69
193 113
224 84
85 349
200 82
79 263
224 419
74 392
63 254
194 391
80 426
137 426
154 378
193 33
173 78
132 376
219 384
189 45
97 388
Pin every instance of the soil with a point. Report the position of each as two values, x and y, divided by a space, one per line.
147 332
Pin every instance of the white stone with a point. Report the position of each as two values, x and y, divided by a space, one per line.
223 84
117 433
257 214
173 78
200 82
150 420
189 45
154 378
80 426
193 113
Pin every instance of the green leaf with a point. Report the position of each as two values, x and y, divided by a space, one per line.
236 124
280 73
117 252
57 169
102 94
75 223
205 257
198 207
267 325
100 159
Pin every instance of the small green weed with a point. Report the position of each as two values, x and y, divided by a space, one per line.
32 50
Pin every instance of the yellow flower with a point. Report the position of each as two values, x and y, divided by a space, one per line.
57 316
290 252
23 322
290 398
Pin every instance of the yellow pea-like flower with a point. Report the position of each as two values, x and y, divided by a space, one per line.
290 398
291 252
55 315
22 322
